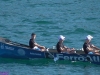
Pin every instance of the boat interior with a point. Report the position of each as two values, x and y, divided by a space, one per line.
7 41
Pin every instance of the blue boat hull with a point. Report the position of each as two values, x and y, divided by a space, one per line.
79 57
12 51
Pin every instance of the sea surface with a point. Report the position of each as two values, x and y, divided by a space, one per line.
74 19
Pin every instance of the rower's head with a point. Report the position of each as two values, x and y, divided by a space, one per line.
61 38
89 38
33 35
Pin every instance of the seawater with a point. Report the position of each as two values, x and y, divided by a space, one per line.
74 19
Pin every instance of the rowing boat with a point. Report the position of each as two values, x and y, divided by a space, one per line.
10 49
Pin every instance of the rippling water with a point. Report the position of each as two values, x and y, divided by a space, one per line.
20 69
47 67
48 19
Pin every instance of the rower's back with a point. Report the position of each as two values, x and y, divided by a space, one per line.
58 47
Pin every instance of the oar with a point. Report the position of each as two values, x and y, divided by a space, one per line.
54 58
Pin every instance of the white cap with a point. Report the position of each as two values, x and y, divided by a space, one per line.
89 37
61 37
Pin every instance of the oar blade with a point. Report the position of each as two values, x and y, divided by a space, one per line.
56 58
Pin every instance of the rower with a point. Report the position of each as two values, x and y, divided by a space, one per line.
90 48
34 45
61 48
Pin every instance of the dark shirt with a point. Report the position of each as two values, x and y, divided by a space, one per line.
31 43
85 45
58 47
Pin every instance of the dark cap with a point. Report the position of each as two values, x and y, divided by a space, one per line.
33 34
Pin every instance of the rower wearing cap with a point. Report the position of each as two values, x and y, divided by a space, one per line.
34 45
90 48
60 46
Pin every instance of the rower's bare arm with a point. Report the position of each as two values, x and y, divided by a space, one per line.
61 48
65 46
89 49
95 47
36 44
39 45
